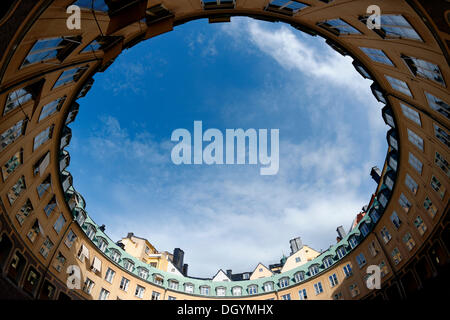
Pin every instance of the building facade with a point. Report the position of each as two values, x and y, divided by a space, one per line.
45 67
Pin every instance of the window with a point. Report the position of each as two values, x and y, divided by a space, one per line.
220 291
404 203
98 5
399 85
396 256
415 163
409 241
333 280
420 225
364 229
396 27
353 242
377 55
437 186
442 163
327 261
415 139
44 186
287 7
302 294
12 164
283 282
16 190
115 255
189 288
286 297
171 298
424 69
430 207
411 184
347 270
110 273
246 276
338 296
438 105
411 114
340 252
139 291
83 253
60 261
156 295
173 285
373 248
17 98
354 290
338 26
12 134
297 259
90 232
68 76
101 43
361 260
51 108
143 273
128 264
88 285
104 294
395 220
46 247
384 269
442 135
124 283
59 223
253 289
237 291
24 212
313 270
102 244
70 239
158 279
42 137
318 287
51 48
385 235
268 286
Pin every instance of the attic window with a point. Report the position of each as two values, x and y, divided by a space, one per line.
286 7
101 43
218 4
157 13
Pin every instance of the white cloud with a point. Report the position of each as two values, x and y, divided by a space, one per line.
231 217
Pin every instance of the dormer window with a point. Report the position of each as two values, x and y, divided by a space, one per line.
394 27
142 272
283 282
189 288
364 229
237 291
338 27
220 291
91 231
341 252
268 286
327 261
218 4
286 7
314 269
17 98
299 276
158 279
128 264
115 255
353 242
173 284
102 244
252 289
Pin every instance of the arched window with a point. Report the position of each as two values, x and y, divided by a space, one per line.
299 276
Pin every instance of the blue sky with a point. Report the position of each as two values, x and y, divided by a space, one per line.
243 74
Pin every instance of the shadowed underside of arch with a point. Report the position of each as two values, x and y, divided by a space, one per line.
45 67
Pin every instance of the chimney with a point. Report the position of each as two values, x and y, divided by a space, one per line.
376 174
120 244
229 273
130 234
178 257
341 232
102 228
185 269
296 244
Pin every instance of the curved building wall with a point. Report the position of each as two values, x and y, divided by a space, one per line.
39 209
